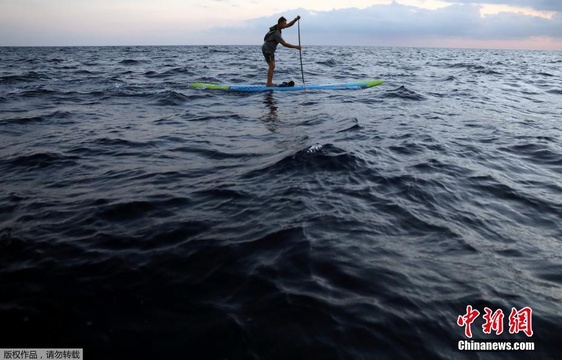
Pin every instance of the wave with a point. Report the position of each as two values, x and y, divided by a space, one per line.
168 73
56 115
41 160
132 62
315 158
328 63
536 153
475 68
171 98
31 76
403 93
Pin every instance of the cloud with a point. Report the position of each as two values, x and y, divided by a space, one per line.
404 25
191 22
541 5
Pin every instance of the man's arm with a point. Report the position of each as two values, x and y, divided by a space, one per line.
294 21
286 44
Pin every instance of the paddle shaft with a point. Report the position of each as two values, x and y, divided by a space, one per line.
300 51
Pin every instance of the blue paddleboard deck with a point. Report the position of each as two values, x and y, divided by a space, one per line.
255 88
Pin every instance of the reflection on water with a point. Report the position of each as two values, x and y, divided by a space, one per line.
270 117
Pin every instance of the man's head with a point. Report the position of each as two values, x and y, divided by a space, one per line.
282 22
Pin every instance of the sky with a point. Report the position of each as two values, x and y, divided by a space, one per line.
510 24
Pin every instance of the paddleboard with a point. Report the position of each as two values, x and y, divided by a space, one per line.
254 88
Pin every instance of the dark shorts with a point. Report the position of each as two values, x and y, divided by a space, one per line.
269 57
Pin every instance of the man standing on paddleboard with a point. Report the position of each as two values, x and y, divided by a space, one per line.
270 41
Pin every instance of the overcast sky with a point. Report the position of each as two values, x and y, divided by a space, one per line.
525 24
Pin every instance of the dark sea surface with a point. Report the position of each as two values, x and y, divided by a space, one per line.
142 219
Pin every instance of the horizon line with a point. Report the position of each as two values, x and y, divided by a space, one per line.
259 45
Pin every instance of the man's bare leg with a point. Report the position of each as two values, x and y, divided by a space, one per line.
270 71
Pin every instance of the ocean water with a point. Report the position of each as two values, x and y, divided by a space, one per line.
142 219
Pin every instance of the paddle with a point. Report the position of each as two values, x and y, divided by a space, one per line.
300 51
